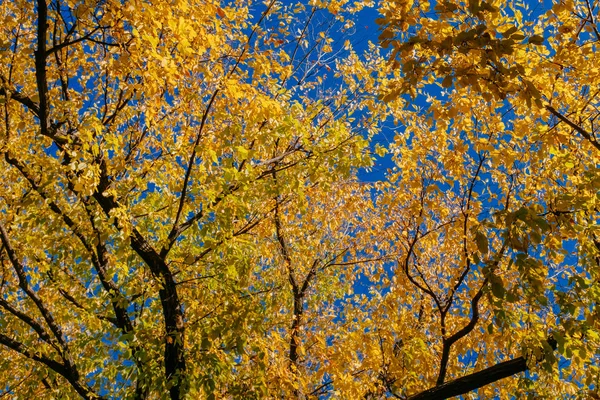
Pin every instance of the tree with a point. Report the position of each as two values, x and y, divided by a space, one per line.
499 226
183 214
148 154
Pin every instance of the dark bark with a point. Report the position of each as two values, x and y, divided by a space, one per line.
587 135
67 368
19 98
448 342
40 64
61 344
171 304
476 380
65 371
295 331
169 298
99 259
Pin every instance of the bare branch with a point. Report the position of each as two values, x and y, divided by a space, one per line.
587 135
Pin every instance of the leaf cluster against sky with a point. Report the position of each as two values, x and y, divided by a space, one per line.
197 202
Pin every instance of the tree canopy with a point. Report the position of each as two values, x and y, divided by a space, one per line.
235 199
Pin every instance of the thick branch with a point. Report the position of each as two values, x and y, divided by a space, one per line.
20 98
99 257
298 294
465 330
100 261
40 64
39 329
71 376
171 304
477 380
448 342
169 298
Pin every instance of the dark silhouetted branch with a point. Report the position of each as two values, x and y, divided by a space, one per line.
477 380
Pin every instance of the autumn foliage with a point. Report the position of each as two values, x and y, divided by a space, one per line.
207 199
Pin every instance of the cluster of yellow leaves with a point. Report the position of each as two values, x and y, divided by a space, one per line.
495 186
175 129
180 212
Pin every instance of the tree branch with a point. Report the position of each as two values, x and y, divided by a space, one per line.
98 257
39 329
478 379
40 64
587 135
171 304
20 98
24 285
66 372
465 330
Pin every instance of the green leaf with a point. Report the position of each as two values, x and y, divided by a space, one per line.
482 242
498 288
535 237
542 224
536 40
473 6
447 82
509 32
242 152
521 213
